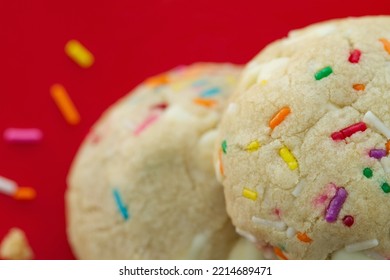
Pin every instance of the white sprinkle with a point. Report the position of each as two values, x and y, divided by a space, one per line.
276 225
275 67
246 235
290 232
232 108
7 186
298 188
360 246
385 162
373 120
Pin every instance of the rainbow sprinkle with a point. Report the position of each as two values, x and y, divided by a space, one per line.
279 117
302 236
158 80
278 252
298 188
79 54
348 220
204 102
121 207
23 135
354 56
385 187
377 153
288 158
335 205
65 104
224 146
386 44
7 186
349 131
147 122
360 246
359 87
25 193
210 92
247 193
267 223
323 73
367 172
246 235
253 146
374 121
11 188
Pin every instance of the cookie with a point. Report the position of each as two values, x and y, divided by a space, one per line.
303 145
142 185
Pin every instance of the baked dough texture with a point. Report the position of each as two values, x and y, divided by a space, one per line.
142 185
303 145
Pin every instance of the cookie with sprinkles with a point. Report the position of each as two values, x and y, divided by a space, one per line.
317 105
142 184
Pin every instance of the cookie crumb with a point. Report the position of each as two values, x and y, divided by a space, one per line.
15 246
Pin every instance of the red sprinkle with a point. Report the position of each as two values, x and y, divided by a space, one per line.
354 56
348 131
348 220
161 106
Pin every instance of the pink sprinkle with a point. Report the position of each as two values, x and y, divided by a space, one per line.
148 121
334 207
23 135
377 153
354 57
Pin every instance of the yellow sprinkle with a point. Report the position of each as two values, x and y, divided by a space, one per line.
263 82
288 157
253 146
231 80
79 54
249 194
65 104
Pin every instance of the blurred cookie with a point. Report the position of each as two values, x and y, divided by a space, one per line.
142 184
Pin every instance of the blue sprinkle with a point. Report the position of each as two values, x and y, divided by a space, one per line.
210 92
122 208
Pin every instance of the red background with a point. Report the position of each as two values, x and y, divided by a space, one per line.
131 40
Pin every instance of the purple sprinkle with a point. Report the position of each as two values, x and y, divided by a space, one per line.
334 207
378 153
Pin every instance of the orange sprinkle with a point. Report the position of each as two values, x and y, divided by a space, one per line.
25 193
279 253
359 87
388 146
279 117
221 169
65 104
158 80
303 237
386 44
205 102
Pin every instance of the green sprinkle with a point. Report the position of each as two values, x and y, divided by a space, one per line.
323 73
385 187
224 146
367 172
